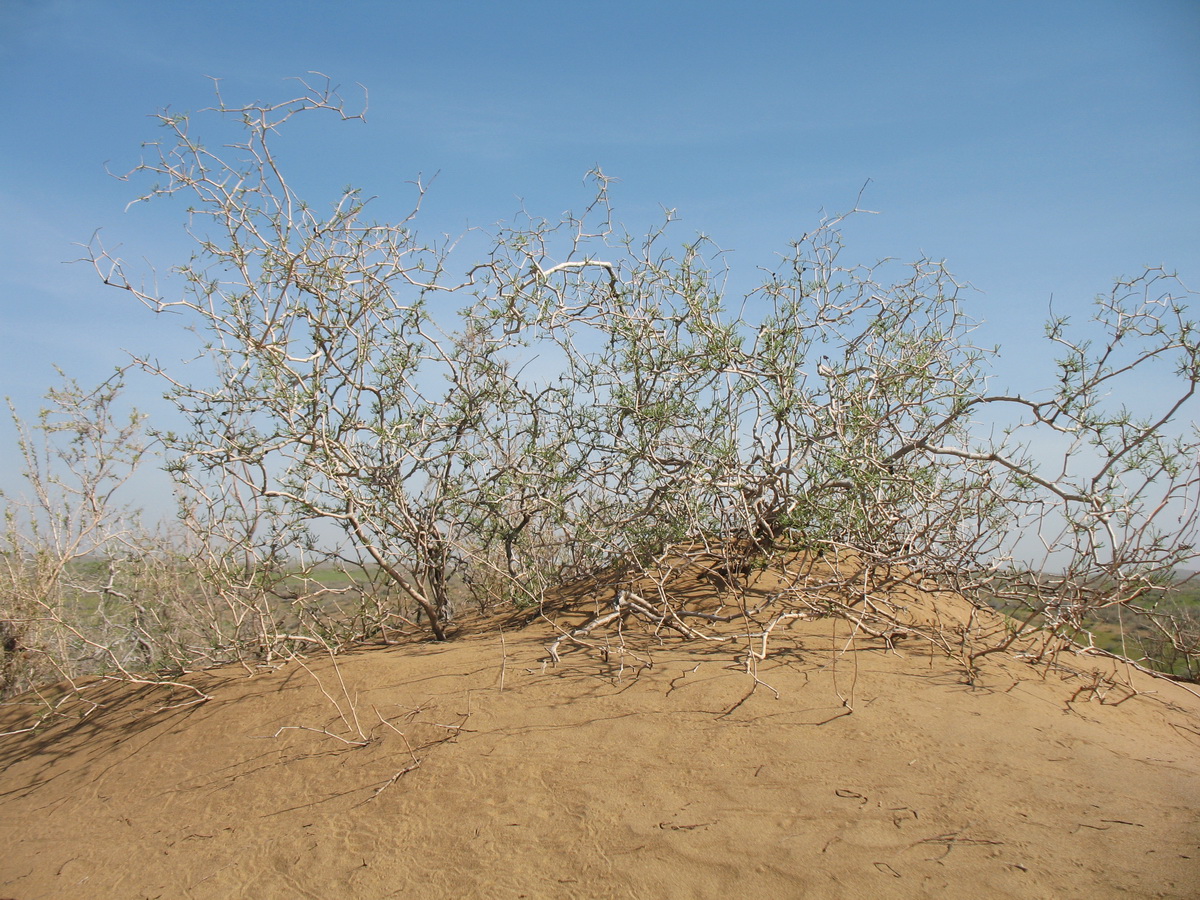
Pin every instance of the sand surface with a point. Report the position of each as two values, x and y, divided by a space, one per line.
855 770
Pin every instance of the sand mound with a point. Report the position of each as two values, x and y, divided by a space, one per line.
855 767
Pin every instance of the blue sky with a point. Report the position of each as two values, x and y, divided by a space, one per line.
1041 148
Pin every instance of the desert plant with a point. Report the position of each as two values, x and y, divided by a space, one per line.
77 564
583 402
88 587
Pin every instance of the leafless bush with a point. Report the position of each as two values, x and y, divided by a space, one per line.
87 588
82 581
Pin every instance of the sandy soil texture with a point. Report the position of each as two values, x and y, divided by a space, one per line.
853 770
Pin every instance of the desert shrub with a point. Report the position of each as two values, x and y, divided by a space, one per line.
88 588
582 402
75 563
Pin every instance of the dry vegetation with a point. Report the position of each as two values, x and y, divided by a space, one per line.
387 441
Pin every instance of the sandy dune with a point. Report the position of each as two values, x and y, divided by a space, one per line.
855 770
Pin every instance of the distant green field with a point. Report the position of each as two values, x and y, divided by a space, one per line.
1166 639
1145 638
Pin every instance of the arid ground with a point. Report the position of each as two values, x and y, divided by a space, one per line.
851 769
